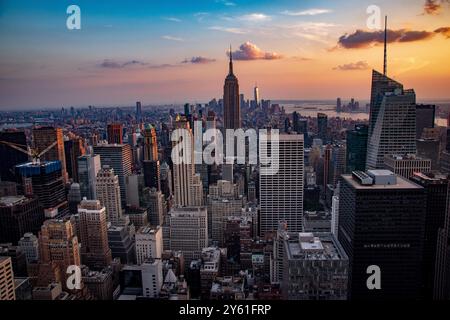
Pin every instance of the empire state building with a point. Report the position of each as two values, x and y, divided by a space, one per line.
232 111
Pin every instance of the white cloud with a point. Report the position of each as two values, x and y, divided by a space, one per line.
172 38
172 19
229 30
255 17
309 12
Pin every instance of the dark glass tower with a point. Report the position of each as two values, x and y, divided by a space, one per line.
357 148
381 222
9 157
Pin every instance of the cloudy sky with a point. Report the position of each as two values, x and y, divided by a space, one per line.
176 51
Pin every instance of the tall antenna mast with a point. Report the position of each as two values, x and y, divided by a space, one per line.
385 46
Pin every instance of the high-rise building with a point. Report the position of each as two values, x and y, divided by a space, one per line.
436 197
88 167
118 157
281 191
19 215
381 224
115 133
338 105
44 179
188 231
74 198
7 288
315 267
44 137
156 209
256 96
108 192
138 112
152 278
327 165
9 156
231 107
406 165
357 148
149 244
392 123
121 244
425 117
29 244
73 148
58 244
322 127
93 230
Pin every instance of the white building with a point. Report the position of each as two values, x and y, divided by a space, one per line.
108 192
149 244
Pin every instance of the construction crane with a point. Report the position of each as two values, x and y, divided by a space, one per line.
34 153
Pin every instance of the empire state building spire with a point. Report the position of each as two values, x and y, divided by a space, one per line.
231 62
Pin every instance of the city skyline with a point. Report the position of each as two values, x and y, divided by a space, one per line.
175 52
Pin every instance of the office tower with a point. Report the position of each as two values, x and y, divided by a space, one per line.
8 188
429 148
156 207
406 165
219 210
425 116
281 192
150 143
29 244
152 174
115 133
19 215
135 185
45 181
99 283
18 258
93 230
183 173
197 191
9 156
338 105
327 165
322 127
74 198
138 216
436 196
88 167
295 121
227 172
138 112
394 131
7 289
73 149
335 214
315 267
357 148
117 157
121 244
44 137
152 278
166 180
108 192
381 222
188 231
231 108
256 95
149 244
338 160
58 245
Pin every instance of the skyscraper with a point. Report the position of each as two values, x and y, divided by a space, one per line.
138 112
73 148
117 157
19 215
93 230
256 96
425 116
88 167
436 197
115 133
281 192
10 157
322 127
357 148
231 108
149 244
381 223
43 137
45 181
406 165
108 192
6 279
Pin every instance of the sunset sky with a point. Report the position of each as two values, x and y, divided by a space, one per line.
176 51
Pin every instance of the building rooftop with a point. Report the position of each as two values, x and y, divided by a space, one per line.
309 246
10 201
400 183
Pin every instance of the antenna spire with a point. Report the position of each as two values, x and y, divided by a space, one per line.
231 61
385 46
